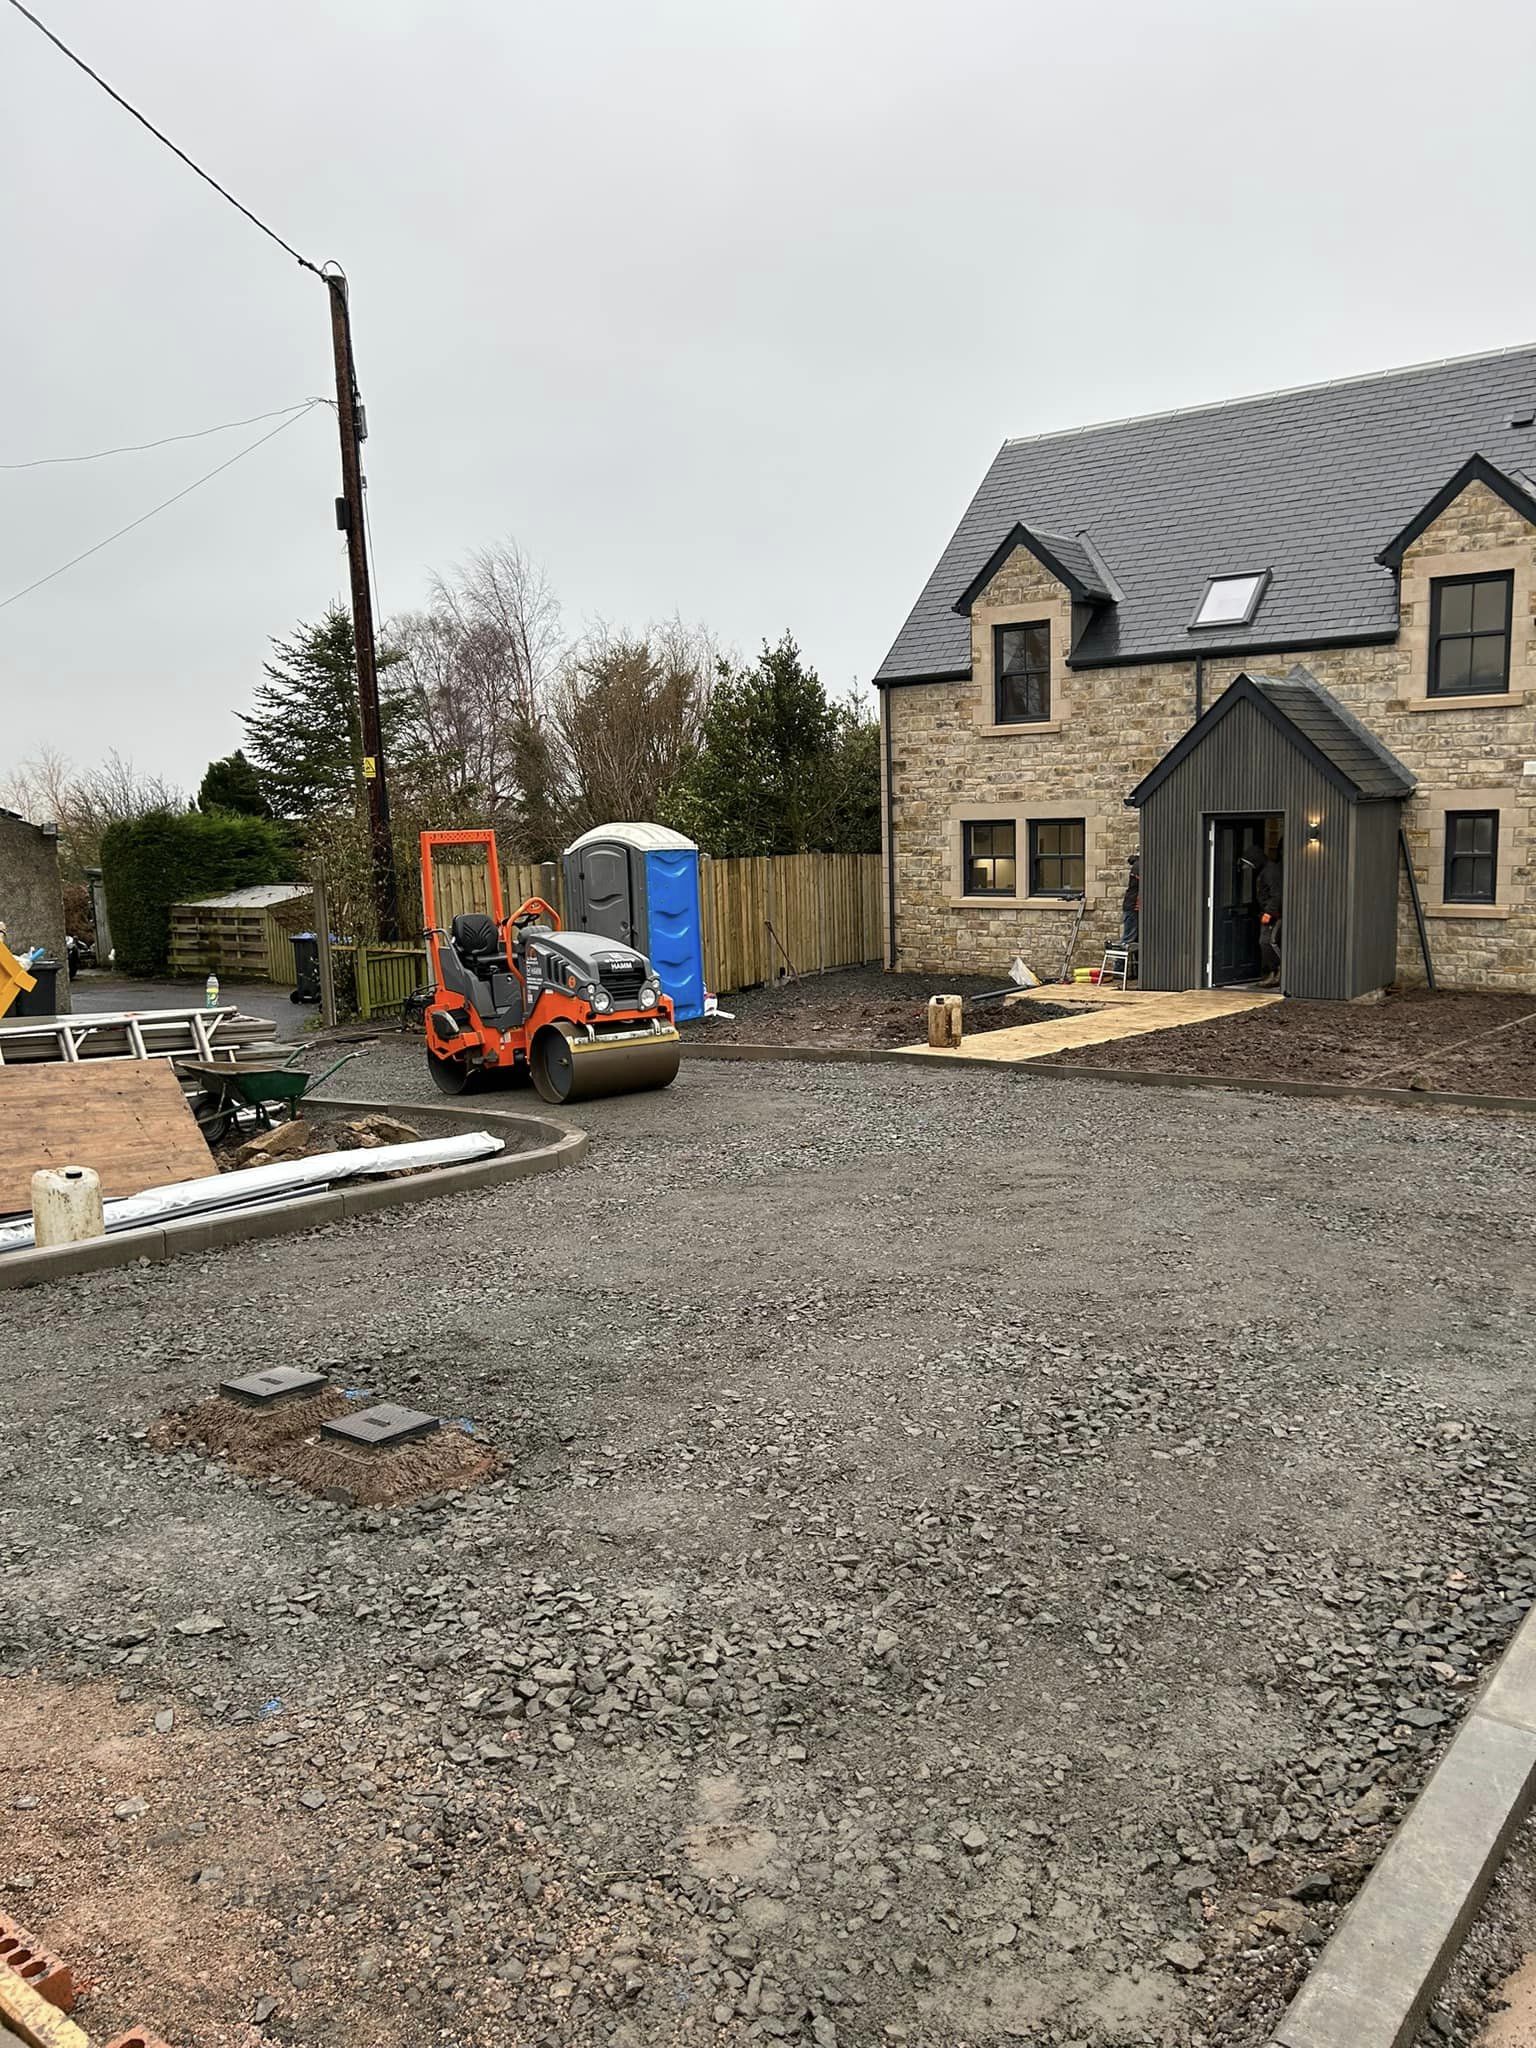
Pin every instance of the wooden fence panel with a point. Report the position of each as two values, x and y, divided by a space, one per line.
803 912
760 917
461 886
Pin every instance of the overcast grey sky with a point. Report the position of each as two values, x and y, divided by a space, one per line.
718 308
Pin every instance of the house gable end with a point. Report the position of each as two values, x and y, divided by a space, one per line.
1476 470
1066 558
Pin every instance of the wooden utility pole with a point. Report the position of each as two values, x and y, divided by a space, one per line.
350 518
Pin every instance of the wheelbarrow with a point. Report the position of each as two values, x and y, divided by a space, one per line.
230 1088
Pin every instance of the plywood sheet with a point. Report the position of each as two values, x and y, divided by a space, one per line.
126 1118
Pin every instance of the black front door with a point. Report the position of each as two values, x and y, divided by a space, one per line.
1235 853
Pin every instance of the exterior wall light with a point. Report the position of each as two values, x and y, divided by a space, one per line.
1314 831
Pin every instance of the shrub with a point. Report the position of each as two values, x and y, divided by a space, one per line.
167 857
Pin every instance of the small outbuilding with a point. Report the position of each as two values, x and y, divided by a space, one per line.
1277 776
242 934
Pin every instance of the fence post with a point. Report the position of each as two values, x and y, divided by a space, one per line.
323 941
364 980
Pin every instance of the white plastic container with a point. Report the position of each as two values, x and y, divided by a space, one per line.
66 1205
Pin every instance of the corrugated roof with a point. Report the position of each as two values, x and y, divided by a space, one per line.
259 896
1309 483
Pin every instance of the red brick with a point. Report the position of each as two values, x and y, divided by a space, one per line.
26 1959
136 2038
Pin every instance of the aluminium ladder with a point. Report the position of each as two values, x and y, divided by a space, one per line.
148 1035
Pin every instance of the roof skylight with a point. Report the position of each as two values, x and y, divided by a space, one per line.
1231 600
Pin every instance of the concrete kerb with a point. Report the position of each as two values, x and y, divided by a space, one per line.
1379 1971
553 1145
1131 1077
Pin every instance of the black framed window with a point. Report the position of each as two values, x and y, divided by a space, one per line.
1469 621
1471 856
991 858
1021 667
1056 856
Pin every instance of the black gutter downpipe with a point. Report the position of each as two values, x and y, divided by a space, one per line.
1199 687
890 831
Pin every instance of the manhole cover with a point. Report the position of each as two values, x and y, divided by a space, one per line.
279 1383
381 1427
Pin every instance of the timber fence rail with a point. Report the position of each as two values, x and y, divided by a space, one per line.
763 917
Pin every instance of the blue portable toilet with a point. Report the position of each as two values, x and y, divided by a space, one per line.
640 884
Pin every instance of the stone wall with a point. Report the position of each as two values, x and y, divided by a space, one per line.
31 899
1110 726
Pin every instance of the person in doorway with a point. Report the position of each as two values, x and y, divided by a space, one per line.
1130 903
1269 890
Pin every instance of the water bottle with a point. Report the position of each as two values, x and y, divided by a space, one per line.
211 991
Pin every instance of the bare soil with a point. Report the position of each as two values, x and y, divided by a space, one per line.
284 1443
1465 1042
858 1008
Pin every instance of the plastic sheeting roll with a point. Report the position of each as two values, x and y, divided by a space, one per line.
248 1184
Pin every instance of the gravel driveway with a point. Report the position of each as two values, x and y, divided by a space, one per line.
982 1559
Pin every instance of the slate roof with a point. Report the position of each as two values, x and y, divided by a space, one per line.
1312 484
1344 748
1336 732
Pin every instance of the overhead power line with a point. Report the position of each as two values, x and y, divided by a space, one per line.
164 504
139 447
144 122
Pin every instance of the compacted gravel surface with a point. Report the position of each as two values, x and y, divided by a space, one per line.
979 1559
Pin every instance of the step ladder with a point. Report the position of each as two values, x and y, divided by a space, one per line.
1115 968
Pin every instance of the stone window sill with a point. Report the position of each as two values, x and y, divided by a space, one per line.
1015 731
1068 903
1466 910
1501 700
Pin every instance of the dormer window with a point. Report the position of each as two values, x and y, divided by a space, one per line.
1021 669
1231 600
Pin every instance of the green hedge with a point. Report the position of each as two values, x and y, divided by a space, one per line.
169 857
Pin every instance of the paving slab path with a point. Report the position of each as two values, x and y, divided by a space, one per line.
1107 1014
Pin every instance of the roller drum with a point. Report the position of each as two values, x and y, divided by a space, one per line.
568 1067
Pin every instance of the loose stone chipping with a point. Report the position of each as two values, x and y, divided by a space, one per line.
977 1561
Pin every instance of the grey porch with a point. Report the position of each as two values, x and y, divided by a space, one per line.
1273 759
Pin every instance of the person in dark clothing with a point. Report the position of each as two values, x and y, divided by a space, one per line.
1130 903
1269 891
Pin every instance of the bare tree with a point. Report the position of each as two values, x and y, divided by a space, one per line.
622 719
476 668
505 604
84 804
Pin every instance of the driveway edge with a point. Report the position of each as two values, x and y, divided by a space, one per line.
558 1146
1135 1077
1385 1960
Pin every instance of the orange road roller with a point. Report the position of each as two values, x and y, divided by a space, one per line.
518 998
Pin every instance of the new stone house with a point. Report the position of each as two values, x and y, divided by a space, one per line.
1297 627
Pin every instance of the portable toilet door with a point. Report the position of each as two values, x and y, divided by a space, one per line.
606 891
639 884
